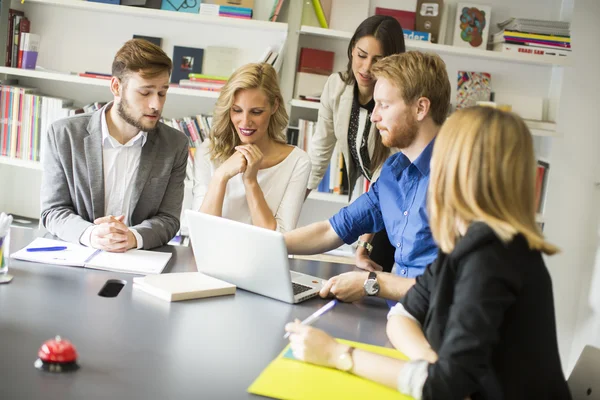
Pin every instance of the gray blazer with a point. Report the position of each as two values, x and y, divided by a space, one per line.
72 194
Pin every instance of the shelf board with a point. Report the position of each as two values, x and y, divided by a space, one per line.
163 14
444 49
331 197
305 104
537 128
82 80
21 163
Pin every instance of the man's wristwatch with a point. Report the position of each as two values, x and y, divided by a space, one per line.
345 362
371 285
366 245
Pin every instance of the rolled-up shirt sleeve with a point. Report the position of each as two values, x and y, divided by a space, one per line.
360 217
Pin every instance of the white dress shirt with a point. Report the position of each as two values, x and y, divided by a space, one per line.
120 164
283 186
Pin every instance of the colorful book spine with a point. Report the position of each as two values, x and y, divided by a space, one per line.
513 48
416 35
30 46
535 36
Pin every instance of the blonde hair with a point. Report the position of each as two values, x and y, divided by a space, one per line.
418 75
139 55
223 136
483 169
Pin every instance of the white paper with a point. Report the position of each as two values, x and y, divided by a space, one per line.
142 262
75 255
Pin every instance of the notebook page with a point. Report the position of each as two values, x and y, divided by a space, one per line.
75 255
142 262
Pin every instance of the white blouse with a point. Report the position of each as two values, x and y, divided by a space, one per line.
283 186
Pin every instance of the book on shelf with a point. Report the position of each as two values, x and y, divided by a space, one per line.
404 17
559 28
218 60
538 51
186 61
24 28
192 7
29 49
10 35
415 35
274 14
535 36
430 18
541 179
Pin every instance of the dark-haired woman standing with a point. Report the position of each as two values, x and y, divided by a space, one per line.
344 118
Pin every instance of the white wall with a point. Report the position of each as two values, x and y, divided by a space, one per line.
572 201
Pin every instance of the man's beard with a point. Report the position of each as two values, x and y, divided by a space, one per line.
406 134
123 110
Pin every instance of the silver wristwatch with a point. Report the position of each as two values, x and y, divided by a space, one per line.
371 285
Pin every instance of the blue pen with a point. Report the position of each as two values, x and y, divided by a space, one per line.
55 248
316 315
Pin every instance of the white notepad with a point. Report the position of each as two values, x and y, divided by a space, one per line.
141 262
183 286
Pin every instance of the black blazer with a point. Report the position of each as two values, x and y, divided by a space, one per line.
487 310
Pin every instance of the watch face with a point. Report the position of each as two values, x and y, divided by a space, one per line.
344 362
371 287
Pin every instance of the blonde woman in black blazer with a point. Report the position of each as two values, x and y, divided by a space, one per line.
344 118
480 322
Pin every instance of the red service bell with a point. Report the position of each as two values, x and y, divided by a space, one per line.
57 355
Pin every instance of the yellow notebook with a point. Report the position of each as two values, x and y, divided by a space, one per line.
286 378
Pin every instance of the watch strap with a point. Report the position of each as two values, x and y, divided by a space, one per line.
366 245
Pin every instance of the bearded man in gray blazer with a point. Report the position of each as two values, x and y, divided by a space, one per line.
113 179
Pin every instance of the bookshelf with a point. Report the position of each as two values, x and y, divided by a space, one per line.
162 15
69 27
537 128
33 165
82 80
443 49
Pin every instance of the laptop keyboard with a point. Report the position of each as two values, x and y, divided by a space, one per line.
298 288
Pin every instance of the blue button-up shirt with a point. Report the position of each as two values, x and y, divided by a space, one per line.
397 201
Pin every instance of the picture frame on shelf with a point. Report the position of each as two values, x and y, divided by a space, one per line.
472 25
186 61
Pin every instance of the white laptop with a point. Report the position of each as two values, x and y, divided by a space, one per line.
252 258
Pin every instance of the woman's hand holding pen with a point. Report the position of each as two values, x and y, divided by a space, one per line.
313 345
254 159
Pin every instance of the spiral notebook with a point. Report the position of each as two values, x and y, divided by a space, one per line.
142 262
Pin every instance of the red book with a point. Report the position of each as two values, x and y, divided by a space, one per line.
95 76
24 27
9 41
316 61
405 18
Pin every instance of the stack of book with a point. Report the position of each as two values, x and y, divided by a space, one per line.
532 36
197 129
25 116
228 8
212 83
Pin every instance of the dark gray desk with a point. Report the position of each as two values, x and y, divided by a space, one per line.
135 346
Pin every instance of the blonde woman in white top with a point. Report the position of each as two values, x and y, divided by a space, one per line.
246 171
